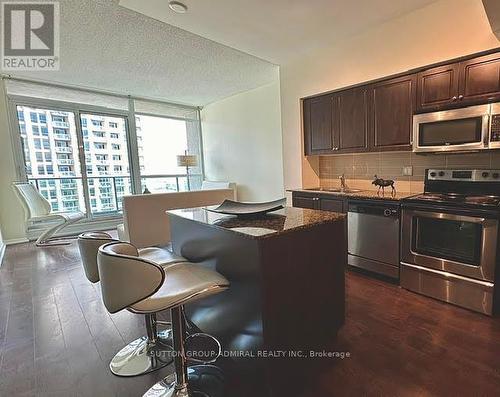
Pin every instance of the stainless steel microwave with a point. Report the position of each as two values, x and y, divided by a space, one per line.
466 129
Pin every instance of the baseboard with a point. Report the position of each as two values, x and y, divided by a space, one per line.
2 251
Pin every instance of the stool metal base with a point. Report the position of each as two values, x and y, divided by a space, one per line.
203 381
142 355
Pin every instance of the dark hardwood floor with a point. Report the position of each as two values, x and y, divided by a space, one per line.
56 338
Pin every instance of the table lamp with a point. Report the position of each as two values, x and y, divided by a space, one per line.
187 160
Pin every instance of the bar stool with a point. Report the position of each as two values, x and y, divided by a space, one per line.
155 289
135 358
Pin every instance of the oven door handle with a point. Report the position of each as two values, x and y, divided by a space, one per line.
452 217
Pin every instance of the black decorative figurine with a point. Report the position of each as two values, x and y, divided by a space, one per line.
383 183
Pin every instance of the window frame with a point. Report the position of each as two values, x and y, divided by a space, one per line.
78 109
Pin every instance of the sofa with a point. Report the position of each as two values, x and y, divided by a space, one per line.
145 222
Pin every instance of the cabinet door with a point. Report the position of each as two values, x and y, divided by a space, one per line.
318 136
437 88
304 201
335 205
393 103
480 80
351 120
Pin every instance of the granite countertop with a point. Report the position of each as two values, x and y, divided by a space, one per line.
286 220
363 194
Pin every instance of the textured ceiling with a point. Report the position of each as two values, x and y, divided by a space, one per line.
277 30
112 48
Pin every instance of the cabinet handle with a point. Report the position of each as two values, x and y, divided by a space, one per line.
454 98
460 97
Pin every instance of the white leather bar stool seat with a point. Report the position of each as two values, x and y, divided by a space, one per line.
162 256
184 282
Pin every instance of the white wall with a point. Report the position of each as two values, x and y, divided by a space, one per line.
440 31
11 211
242 142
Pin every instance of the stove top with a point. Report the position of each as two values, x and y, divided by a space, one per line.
461 188
455 198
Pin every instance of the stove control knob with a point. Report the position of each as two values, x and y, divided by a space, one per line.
441 173
495 175
433 174
485 174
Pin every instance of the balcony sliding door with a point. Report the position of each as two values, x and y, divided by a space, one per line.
91 176
84 150
107 166
50 149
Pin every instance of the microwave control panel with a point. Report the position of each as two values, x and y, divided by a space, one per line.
495 128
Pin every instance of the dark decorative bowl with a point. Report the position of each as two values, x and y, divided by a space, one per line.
249 210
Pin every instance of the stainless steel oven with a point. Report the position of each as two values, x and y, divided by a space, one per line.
454 243
466 129
450 256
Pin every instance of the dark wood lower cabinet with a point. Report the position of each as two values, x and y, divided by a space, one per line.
304 202
335 205
318 201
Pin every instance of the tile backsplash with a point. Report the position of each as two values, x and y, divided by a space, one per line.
360 168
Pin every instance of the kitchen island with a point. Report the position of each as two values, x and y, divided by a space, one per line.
286 271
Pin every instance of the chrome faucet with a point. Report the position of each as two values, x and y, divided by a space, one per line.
342 182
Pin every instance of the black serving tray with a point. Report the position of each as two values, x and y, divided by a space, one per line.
230 207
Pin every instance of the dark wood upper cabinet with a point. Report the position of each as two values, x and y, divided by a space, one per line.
351 120
392 107
437 87
318 134
480 79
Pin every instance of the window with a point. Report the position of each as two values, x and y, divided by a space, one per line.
160 140
52 152
59 118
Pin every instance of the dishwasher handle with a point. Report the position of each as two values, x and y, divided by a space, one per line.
374 209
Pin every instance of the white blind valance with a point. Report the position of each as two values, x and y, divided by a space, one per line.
163 109
89 97
62 94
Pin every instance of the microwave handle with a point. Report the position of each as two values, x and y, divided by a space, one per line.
485 130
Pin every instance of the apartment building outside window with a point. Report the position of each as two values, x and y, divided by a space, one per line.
94 177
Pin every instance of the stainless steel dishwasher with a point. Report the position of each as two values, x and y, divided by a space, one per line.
373 236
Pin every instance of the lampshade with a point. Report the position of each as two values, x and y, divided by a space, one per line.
187 160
